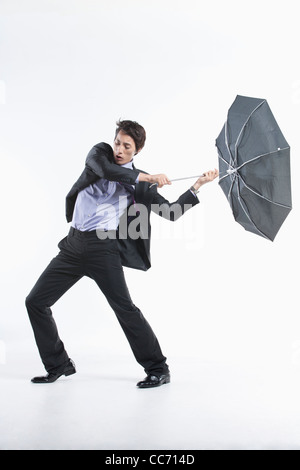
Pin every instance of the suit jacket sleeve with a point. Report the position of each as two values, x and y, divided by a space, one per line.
100 160
172 211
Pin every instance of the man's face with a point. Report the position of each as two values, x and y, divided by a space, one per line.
124 148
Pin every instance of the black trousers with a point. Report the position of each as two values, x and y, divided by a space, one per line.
84 254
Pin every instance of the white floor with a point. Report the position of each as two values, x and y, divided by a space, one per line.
206 406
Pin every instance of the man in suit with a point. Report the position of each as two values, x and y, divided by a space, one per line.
109 209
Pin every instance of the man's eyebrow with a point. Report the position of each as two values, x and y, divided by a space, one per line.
125 143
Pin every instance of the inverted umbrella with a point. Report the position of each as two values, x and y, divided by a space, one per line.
254 167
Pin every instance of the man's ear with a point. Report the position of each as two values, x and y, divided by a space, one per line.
137 152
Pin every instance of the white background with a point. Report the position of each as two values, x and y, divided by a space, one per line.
215 295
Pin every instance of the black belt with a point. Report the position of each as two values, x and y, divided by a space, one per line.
92 233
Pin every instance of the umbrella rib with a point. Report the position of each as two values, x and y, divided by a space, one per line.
227 145
243 127
227 163
249 161
231 187
260 156
222 177
263 197
248 216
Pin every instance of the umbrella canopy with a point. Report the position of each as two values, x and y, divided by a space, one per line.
254 167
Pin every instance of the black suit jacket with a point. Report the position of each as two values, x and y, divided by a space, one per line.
134 251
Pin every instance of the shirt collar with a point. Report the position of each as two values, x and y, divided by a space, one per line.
128 165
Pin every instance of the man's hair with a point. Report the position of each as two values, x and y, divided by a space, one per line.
134 130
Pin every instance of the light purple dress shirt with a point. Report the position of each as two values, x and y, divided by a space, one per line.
101 204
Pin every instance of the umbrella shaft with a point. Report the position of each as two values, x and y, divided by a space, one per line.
179 179
186 178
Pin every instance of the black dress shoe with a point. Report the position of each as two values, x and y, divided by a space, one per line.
154 381
52 377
